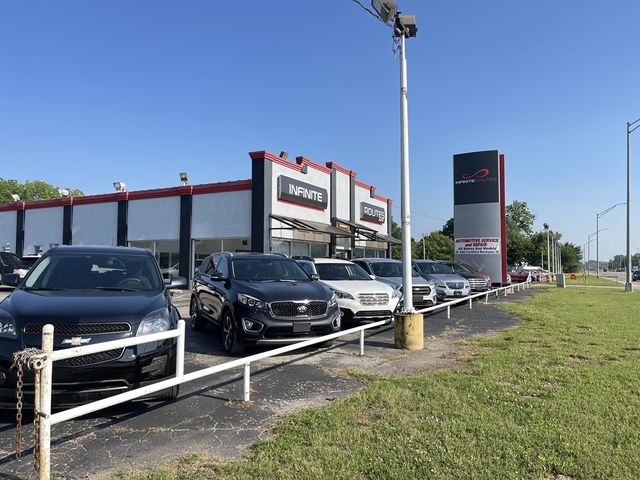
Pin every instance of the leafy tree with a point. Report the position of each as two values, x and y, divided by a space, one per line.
396 232
571 257
519 218
447 228
31 190
435 246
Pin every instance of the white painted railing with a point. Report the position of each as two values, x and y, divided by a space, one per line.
47 419
469 298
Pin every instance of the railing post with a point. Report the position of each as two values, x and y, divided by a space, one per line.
448 311
180 350
470 303
486 298
362 342
44 409
247 382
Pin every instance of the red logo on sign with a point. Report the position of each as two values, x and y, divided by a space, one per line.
483 172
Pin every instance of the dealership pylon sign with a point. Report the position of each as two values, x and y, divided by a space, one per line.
479 212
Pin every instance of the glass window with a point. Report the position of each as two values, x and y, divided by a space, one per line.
222 267
341 271
433 267
267 270
299 249
95 271
281 246
319 250
389 269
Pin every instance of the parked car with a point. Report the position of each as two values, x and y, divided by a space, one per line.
538 274
91 295
636 275
519 275
359 296
448 284
389 271
261 299
8 261
26 262
478 282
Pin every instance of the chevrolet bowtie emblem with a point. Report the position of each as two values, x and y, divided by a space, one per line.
76 341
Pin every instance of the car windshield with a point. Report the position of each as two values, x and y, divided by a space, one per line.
433 267
341 271
94 271
268 270
458 268
389 269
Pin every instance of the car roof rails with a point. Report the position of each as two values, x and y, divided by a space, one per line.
302 257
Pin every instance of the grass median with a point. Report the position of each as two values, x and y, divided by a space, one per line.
559 395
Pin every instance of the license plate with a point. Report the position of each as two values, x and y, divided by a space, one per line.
300 327
457 293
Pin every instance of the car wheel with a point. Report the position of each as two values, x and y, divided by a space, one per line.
326 344
229 335
197 322
168 395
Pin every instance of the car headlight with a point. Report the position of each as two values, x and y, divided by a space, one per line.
441 284
156 322
7 327
333 301
341 294
252 302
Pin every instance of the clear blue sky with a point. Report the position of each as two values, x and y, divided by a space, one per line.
96 91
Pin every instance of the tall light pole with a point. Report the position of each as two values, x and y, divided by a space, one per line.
601 214
546 228
408 330
589 245
628 287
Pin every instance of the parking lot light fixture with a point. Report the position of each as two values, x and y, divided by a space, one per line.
120 186
63 192
184 178
628 286
601 214
16 197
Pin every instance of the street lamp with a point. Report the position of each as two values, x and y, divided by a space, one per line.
120 186
403 26
601 214
589 245
184 178
15 197
628 287
546 228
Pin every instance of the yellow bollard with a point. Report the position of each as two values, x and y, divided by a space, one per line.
409 331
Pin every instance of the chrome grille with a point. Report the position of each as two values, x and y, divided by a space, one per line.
91 359
373 298
477 283
80 329
455 285
301 309
421 289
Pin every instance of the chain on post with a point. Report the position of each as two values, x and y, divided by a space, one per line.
31 359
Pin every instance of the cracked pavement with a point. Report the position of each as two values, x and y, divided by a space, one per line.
210 417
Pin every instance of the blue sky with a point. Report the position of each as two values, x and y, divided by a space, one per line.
97 91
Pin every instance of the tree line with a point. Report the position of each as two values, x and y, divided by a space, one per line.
31 190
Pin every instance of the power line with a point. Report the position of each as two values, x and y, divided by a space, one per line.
368 10
413 212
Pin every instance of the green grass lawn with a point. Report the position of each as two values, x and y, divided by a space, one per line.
592 280
557 395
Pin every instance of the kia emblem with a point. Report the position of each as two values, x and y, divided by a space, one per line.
302 309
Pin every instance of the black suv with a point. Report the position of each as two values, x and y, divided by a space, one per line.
260 299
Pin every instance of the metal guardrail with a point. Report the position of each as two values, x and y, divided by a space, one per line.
47 419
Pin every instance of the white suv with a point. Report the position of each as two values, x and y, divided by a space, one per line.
359 296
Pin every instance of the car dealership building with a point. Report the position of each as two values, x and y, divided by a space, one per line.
300 208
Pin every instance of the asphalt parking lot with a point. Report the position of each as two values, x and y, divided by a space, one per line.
210 417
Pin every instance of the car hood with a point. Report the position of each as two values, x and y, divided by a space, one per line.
359 286
283 291
75 307
444 277
397 281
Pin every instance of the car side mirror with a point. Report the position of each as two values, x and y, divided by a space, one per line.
11 279
218 277
176 282
315 276
373 277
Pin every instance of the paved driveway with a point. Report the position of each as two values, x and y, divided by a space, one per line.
209 415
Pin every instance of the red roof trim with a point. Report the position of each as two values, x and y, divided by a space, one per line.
381 198
341 169
364 185
263 154
300 160
103 198
234 186
56 202
8 207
